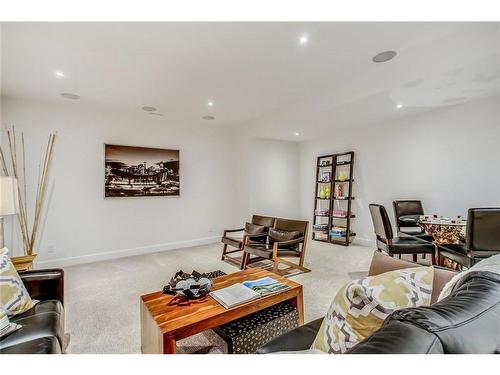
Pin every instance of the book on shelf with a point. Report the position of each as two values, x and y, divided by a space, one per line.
321 212
320 226
338 232
247 291
326 176
339 213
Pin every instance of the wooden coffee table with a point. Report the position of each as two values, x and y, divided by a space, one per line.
163 325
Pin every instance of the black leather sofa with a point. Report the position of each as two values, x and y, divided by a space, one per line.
42 329
467 321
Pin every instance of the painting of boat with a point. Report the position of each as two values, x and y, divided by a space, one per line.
141 171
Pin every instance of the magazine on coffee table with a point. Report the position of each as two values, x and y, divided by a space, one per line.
247 291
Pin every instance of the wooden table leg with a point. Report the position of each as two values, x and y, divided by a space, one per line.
299 303
169 345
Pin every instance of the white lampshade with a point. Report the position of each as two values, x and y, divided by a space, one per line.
9 203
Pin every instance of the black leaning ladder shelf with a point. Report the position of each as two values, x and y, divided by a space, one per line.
332 214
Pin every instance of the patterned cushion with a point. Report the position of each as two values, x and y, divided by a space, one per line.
254 228
361 306
14 297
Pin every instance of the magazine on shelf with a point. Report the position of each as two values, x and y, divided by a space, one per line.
247 291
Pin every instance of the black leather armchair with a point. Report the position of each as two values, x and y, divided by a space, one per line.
42 329
465 322
407 214
396 245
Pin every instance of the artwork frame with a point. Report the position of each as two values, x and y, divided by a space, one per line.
139 171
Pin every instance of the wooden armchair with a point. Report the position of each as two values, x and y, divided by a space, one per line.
255 231
287 239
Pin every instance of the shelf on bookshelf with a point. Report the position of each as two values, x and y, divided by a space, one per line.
342 198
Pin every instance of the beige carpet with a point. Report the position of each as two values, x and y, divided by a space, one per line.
102 299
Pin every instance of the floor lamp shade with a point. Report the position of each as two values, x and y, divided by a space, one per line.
9 202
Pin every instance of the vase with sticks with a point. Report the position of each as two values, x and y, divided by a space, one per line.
15 166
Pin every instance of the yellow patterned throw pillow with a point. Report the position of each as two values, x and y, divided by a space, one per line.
14 297
361 306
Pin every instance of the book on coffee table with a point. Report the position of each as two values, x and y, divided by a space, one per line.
247 291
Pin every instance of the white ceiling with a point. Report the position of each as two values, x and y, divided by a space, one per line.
257 74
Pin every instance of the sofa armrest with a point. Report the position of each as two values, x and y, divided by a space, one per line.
300 338
384 263
44 284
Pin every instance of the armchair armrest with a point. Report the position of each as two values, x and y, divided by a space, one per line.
44 284
290 242
300 338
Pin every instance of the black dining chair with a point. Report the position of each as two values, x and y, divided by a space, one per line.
407 213
482 238
386 241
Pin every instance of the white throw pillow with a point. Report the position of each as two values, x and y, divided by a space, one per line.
491 264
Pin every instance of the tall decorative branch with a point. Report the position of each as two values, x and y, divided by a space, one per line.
29 237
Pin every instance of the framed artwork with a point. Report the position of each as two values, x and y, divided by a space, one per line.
140 171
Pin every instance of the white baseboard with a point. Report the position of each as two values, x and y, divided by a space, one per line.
96 257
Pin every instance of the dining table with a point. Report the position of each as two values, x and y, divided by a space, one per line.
444 231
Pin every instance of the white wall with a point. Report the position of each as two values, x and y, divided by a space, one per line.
448 158
81 225
273 178
225 177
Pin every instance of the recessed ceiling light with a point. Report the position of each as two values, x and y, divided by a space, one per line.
297 134
303 40
208 118
210 104
148 108
68 95
399 106
384 56
59 73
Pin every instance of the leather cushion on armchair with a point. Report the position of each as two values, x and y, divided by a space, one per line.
280 235
255 229
45 319
42 345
